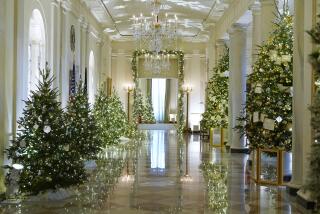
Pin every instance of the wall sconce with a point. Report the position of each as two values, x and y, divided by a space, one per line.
187 88
129 88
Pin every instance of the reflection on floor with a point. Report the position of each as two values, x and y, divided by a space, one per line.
167 175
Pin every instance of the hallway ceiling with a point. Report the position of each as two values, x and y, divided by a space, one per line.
195 16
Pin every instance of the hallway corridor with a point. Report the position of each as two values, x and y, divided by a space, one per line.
163 176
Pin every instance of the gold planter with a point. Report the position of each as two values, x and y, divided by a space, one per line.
214 142
267 166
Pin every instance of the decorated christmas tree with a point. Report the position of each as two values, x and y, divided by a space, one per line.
148 115
216 113
110 117
82 129
41 155
138 108
313 184
267 120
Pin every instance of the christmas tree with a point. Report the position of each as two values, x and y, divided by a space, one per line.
82 129
267 120
148 115
313 184
41 152
216 113
111 118
138 108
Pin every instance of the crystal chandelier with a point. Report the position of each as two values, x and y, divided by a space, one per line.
157 62
155 35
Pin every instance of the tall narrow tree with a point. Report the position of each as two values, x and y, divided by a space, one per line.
82 130
41 152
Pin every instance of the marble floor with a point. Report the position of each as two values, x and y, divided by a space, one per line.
164 175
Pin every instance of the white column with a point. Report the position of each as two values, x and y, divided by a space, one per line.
256 31
237 83
302 98
65 44
55 42
83 46
268 11
8 74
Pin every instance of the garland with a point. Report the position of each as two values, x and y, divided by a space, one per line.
180 56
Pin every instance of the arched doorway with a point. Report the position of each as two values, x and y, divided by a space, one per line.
91 88
36 49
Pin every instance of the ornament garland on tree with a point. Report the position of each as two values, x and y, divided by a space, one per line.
82 130
313 182
216 113
111 118
41 155
148 115
267 120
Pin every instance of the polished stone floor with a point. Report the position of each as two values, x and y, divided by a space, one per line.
164 176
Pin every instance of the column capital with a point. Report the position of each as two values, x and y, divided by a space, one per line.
221 42
266 2
66 5
255 8
237 27
55 2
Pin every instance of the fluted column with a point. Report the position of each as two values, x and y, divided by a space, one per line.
65 52
83 45
55 41
268 11
302 97
256 31
237 83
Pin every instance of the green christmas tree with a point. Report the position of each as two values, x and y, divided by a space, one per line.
111 118
138 107
267 122
216 113
148 115
82 129
313 183
41 151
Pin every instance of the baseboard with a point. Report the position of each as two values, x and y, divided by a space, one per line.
303 198
240 150
292 189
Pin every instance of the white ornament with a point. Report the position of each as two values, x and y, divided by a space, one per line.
36 126
278 60
273 55
17 166
286 58
268 124
66 148
22 144
279 119
258 89
47 129
255 117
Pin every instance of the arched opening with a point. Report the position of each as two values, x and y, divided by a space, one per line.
91 87
36 49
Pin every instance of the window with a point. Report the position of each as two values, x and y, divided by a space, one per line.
36 49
